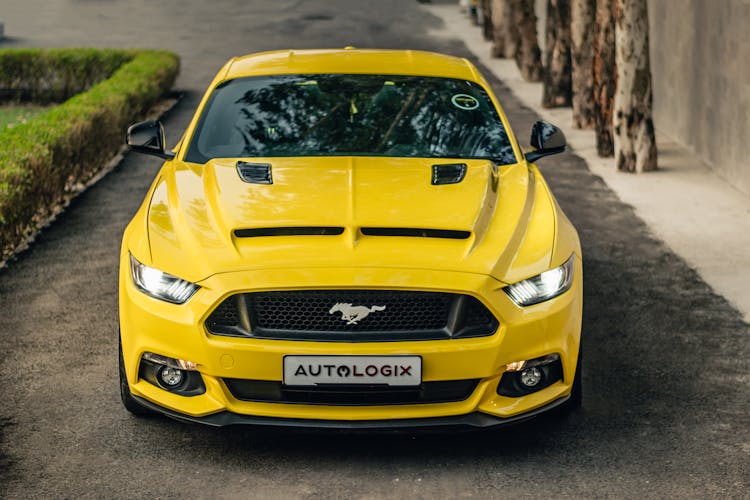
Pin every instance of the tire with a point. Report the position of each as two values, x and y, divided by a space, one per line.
576 394
128 401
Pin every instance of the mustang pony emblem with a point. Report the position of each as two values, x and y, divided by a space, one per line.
353 314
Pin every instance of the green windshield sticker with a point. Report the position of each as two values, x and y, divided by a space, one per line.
464 101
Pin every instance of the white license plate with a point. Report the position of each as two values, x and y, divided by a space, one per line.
390 370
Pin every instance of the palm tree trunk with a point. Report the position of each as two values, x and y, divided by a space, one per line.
504 29
487 30
558 73
528 56
635 141
605 75
582 30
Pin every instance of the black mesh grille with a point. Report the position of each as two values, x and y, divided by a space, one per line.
225 314
352 315
311 310
351 395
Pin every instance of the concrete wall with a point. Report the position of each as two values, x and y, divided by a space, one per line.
700 60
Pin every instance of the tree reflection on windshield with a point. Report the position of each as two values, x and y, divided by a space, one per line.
358 115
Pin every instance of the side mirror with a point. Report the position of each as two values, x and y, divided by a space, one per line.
148 138
546 139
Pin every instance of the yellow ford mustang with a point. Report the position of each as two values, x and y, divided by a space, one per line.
354 239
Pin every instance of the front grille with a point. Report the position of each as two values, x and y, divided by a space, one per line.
352 316
351 395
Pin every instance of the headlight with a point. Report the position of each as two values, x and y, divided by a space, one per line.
543 287
161 285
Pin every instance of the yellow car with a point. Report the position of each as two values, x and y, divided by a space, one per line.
349 239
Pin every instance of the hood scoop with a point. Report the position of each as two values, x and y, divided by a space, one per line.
255 173
415 232
289 231
448 173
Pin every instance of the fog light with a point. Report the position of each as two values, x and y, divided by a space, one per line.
528 376
178 376
171 377
531 376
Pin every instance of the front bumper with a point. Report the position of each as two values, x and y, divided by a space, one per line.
177 331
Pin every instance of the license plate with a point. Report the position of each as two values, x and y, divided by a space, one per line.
317 370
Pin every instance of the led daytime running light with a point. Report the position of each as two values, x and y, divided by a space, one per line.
180 364
517 366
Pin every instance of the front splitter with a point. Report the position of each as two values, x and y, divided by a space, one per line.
470 420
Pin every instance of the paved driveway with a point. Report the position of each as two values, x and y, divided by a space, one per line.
666 377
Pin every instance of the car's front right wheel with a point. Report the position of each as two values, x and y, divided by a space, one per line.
128 401
576 393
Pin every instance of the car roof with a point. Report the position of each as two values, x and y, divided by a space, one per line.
351 60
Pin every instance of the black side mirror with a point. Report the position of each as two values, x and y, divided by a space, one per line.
546 139
148 138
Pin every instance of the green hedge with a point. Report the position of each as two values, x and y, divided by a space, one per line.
43 160
44 76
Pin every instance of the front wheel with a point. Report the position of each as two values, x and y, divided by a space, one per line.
576 394
128 401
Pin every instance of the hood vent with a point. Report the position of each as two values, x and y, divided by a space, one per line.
449 173
255 173
336 231
415 232
289 231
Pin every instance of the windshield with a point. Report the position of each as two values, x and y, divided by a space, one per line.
350 115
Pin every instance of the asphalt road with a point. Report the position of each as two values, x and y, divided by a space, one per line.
666 376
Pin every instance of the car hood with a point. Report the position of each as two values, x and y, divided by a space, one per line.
198 217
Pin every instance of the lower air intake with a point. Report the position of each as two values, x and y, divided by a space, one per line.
351 395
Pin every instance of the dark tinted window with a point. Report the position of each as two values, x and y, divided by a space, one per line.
343 115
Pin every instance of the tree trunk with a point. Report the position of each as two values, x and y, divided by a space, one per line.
528 56
635 141
487 19
558 73
505 31
582 30
605 75
473 12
